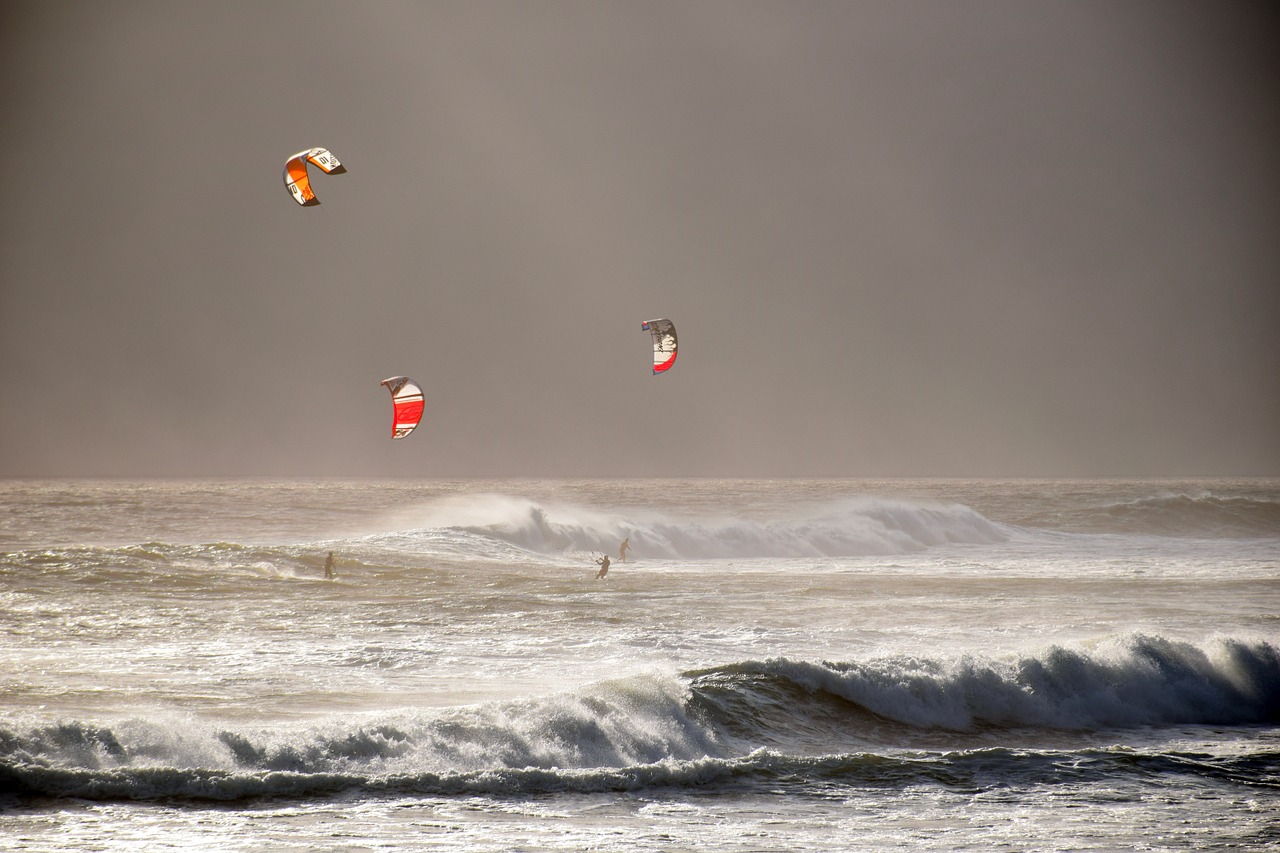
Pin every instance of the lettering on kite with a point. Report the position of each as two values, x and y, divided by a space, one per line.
298 182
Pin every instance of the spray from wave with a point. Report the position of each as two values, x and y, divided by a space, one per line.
852 527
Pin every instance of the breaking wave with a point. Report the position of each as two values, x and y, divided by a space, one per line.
1133 681
751 723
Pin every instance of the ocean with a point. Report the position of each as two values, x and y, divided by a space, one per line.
779 665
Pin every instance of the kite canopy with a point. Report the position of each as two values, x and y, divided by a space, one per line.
406 400
664 343
296 180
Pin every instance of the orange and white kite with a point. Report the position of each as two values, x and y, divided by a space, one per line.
296 180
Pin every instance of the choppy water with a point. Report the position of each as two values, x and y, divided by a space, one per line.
783 665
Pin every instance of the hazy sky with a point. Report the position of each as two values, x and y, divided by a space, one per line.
961 238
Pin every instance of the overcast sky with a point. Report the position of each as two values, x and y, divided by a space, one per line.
962 238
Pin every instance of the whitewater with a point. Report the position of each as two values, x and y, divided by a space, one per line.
779 665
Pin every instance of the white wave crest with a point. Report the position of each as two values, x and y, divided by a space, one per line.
1136 680
619 723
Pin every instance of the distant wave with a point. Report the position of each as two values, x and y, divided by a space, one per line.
1200 514
162 563
772 722
844 528
508 529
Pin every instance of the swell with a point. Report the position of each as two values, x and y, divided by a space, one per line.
1198 513
160 564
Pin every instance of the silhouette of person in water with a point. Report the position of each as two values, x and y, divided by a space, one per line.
328 567
604 566
622 549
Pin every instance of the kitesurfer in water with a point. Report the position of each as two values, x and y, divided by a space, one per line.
622 549
328 567
603 562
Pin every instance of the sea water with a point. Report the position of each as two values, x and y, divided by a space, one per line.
779 665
